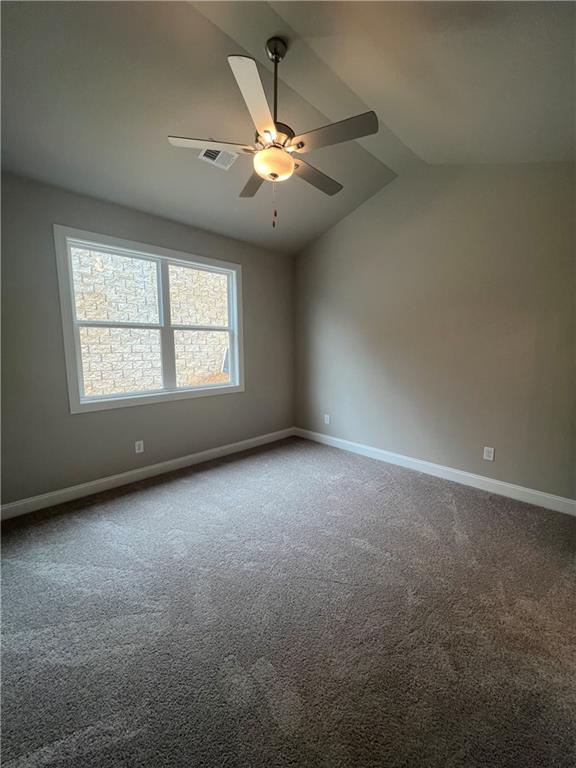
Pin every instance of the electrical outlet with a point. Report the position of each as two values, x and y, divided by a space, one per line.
488 453
326 418
139 446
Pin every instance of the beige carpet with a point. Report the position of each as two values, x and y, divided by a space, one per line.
293 606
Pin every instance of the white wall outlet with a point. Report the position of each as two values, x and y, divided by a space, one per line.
139 446
488 453
326 418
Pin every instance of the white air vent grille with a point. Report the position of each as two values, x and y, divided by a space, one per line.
223 160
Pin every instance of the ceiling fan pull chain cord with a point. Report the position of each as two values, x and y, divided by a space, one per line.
275 213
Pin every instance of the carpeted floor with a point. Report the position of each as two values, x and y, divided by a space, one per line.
292 606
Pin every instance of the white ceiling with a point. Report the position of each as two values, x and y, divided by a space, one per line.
471 82
91 90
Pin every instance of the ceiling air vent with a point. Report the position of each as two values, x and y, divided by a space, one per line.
223 160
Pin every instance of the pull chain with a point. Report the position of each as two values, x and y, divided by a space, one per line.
275 209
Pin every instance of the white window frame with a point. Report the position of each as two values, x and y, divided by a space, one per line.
67 237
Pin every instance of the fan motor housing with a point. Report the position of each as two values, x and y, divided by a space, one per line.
284 133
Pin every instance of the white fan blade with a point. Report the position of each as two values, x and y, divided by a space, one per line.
246 74
220 146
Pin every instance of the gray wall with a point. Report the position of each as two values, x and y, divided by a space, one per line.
45 447
435 319
439 318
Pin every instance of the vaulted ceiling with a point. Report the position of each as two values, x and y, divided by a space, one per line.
471 82
91 90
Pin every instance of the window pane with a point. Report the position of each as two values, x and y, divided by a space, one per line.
198 297
202 357
116 360
111 287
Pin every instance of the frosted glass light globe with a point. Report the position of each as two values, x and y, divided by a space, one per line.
274 164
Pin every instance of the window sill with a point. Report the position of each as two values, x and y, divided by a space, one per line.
148 398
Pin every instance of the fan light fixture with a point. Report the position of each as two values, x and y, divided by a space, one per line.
274 164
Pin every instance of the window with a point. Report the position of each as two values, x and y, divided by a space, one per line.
145 324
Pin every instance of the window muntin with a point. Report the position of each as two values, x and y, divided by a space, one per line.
142 324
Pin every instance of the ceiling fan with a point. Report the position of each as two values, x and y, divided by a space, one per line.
277 149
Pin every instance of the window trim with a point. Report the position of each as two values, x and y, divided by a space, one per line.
64 237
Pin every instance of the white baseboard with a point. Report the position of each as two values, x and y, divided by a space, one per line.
518 492
31 504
